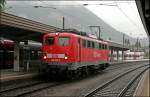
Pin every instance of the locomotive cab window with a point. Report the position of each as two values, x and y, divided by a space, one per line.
50 41
103 46
63 41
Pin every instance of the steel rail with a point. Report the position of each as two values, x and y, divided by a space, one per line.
35 90
30 91
121 94
39 89
91 93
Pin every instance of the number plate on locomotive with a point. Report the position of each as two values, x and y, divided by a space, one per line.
55 55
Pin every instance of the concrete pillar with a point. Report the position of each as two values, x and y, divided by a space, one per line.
26 57
16 57
117 55
122 55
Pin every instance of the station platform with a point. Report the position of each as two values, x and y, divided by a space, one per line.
128 61
142 89
9 74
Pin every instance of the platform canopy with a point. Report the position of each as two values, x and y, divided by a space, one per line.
18 28
117 46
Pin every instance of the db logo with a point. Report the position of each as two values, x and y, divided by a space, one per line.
95 54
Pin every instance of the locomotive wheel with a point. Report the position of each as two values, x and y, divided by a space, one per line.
41 70
85 71
73 74
69 74
92 71
102 67
79 72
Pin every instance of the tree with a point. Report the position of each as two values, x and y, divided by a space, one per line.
139 44
128 42
2 4
109 38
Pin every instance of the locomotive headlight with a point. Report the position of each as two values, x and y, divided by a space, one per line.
57 33
66 57
44 57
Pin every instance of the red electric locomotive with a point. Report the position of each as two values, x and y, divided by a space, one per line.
70 52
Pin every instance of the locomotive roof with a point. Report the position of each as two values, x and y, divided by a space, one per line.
81 36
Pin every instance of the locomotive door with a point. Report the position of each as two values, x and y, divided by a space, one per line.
79 49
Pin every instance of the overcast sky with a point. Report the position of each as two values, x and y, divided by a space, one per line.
121 15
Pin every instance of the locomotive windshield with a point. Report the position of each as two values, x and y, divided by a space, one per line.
63 41
50 41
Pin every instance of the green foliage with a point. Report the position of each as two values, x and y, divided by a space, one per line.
2 4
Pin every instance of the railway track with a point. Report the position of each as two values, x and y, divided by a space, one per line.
123 65
38 86
127 87
28 89
19 87
119 85
119 66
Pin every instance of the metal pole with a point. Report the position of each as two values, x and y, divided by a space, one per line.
63 21
123 46
123 39
99 32
137 44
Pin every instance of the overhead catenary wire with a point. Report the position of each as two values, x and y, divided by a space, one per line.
131 7
64 13
78 18
127 16
84 4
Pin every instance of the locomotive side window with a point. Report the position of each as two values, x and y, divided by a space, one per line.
50 41
96 45
103 46
93 46
100 46
63 41
106 47
88 44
